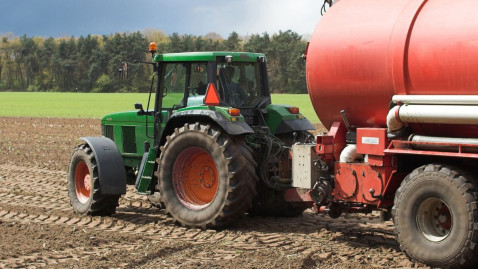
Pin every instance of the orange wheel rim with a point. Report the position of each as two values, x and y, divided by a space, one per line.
82 182
195 178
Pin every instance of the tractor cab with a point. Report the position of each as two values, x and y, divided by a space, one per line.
239 79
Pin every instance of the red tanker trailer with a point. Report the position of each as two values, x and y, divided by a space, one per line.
396 84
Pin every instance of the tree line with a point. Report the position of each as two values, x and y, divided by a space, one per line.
92 63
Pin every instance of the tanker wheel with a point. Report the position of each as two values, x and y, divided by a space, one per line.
436 217
206 178
84 185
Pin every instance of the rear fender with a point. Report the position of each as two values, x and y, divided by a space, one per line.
111 171
206 116
280 120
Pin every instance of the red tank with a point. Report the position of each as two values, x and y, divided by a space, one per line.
364 52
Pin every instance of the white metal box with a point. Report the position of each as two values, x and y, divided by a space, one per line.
304 172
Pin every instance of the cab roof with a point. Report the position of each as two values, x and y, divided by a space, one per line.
207 56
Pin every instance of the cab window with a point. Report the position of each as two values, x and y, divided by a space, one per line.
174 84
198 83
240 84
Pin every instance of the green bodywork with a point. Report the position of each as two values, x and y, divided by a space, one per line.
277 114
130 131
129 134
223 111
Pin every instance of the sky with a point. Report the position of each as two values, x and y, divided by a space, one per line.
59 18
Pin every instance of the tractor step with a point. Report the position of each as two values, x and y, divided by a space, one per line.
145 173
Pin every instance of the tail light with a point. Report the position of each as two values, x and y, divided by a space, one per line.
234 111
293 110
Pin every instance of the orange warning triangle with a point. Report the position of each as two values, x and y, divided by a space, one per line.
212 98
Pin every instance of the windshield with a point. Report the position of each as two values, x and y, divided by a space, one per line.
240 84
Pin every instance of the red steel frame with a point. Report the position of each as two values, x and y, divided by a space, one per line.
354 181
406 147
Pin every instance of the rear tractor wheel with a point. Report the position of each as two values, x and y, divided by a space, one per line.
84 185
206 178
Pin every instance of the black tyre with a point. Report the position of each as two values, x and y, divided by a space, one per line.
436 217
84 185
206 178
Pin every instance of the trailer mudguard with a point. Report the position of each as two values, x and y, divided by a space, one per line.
231 127
111 171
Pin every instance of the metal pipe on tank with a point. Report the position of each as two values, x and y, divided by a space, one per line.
440 114
443 140
394 123
349 154
448 140
436 99
444 114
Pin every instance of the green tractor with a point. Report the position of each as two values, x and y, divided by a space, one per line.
212 149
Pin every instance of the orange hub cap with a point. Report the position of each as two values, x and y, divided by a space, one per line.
82 182
195 178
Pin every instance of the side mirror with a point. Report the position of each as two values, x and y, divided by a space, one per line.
141 110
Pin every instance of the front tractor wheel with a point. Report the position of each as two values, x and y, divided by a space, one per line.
84 185
206 178
436 217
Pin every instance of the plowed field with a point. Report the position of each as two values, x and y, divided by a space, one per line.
39 229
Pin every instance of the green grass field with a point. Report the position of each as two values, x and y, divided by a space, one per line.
95 105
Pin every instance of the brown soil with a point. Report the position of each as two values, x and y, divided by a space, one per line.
39 229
